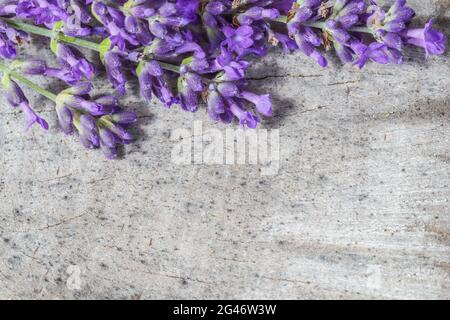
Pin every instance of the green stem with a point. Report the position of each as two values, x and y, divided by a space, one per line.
27 82
361 29
322 25
19 25
169 67
317 24
282 19
49 34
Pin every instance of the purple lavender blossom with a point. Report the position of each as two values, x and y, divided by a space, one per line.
9 40
16 98
99 123
428 38
114 71
74 61
152 82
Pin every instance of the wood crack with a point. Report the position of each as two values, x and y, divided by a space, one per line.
300 76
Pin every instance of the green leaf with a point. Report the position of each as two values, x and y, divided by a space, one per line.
129 4
187 61
140 68
16 64
104 47
54 45
58 26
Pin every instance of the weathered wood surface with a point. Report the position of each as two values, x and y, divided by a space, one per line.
359 208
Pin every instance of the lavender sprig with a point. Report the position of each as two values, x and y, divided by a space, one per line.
16 97
99 123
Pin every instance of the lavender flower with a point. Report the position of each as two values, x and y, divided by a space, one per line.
9 39
73 60
152 82
428 38
99 123
16 98
113 64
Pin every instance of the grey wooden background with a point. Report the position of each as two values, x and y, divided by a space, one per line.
359 208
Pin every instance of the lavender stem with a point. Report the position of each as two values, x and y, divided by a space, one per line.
321 25
19 25
49 95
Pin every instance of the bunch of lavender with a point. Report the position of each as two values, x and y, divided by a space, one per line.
99 122
195 52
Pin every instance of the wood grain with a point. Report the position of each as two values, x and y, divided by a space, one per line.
358 210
